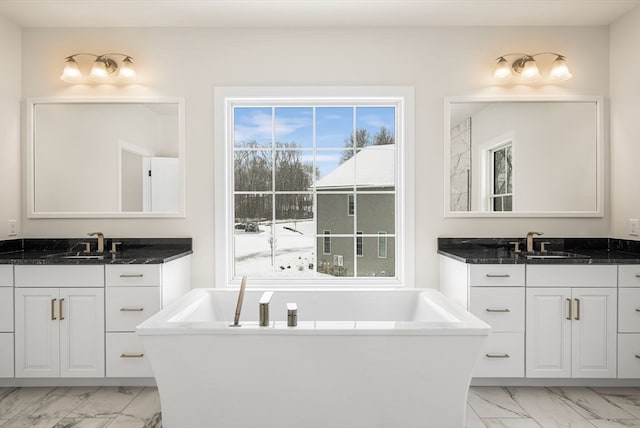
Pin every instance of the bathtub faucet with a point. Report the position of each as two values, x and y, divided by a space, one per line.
264 308
236 318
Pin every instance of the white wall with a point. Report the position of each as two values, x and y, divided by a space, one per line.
625 126
438 62
10 47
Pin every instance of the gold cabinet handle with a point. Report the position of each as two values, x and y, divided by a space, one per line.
638 356
638 275
577 318
498 310
637 309
53 309
131 275
131 355
131 309
60 306
570 309
498 275
497 355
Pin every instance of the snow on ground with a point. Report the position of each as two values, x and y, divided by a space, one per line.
293 247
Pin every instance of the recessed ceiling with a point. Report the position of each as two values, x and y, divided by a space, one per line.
311 13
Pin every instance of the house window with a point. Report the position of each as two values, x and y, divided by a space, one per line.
501 197
359 244
292 162
382 245
326 244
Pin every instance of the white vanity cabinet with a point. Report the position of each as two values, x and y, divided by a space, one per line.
495 294
133 294
59 321
6 321
571 318
629 321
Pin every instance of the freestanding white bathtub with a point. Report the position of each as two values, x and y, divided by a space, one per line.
358 358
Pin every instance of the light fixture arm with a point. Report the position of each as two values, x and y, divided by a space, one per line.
103 66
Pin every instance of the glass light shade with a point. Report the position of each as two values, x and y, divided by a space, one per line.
530 70
71 72
99 70
503 69
560 70
127 71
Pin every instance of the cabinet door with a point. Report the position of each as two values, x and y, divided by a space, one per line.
548 337
37 332
593 333
81 332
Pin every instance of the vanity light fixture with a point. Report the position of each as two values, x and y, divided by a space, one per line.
103 68
525 66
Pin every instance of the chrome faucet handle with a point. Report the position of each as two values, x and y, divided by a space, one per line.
542 244
292 315
264 308
516 246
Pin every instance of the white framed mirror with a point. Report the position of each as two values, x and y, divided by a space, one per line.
524 157
105 158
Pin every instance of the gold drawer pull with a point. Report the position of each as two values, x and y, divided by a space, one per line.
53 309
131 309
637 309
497 355
131 355
60 306
638 356
638 275
498 310
131 275
498 275
570 309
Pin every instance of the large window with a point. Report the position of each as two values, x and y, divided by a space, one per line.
310 183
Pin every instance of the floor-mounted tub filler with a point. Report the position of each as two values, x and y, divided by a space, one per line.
356 358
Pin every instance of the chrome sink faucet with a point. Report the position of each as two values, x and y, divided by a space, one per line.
100 240
530 240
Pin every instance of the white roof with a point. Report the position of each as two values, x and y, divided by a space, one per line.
375 168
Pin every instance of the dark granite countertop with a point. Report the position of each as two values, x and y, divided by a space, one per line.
131 251
580 251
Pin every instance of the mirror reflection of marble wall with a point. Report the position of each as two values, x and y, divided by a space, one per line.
92 157
555 147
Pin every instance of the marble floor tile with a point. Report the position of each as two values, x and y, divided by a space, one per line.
2 422
142 412
625 398
589 404
46 412
494 402
76 391
547 410
83 423
15 400
510 423
106 402
624 423
472 419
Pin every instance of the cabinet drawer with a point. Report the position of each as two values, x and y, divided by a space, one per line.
629 355
500 307
128 307
629 310
125 356
629 276
136 275
572 276
6 275
6 355
60 276
6 309
502 356
496 275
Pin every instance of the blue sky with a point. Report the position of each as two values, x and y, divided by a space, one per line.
295 124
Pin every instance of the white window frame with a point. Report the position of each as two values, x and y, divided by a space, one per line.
403 99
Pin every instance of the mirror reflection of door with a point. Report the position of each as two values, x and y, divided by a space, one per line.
131 177
161 190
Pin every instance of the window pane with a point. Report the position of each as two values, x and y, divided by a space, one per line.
334 126
294 127
253 254
498 172
331 171
253 126
497 203
375 212
294 256
340 261
508 203
294 170
294 214
509 171
375 168
371 265
333 213
252 212
375 125
252 170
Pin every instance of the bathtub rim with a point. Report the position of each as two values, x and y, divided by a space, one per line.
468 324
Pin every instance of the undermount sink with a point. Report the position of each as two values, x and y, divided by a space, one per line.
76 255
553 255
